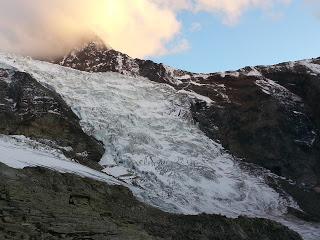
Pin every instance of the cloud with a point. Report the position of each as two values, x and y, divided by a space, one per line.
195 27
180 46
314 5
232 10
137 27
51 27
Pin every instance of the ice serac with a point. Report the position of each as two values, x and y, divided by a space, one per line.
267 115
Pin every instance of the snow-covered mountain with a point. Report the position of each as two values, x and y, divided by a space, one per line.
152 142
267 115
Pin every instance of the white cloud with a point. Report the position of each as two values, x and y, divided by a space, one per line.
50 27
232 10
181 46
138 27
195 27
314 5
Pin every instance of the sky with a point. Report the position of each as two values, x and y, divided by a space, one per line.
195 35
291 32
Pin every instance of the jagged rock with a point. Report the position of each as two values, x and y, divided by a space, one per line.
30 109
36 203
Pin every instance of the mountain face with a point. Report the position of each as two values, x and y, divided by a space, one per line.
51 118
266 115
183 142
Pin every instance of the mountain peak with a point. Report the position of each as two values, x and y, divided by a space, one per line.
96 56
95 43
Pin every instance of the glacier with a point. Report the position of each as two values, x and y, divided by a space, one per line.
154 147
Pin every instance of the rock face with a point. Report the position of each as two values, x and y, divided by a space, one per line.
30 109
41 204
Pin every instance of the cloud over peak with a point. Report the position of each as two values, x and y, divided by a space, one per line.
137 27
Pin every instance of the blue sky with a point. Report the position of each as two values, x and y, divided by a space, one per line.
257 39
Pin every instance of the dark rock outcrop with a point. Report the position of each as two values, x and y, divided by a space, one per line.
30 109
36 203
97 57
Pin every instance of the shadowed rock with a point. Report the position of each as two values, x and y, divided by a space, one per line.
41 204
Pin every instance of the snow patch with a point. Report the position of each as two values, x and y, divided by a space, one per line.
254 73
315 68
274 89
198 97
20 152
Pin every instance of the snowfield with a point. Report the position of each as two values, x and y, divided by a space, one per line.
151 142
20 152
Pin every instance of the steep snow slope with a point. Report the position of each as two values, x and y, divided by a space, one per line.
152 144
21 152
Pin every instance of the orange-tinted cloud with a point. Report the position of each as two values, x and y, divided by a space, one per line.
137 27
47 27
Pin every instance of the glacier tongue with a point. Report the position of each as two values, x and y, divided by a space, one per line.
153 145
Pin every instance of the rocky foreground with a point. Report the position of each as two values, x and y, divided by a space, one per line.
36 203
